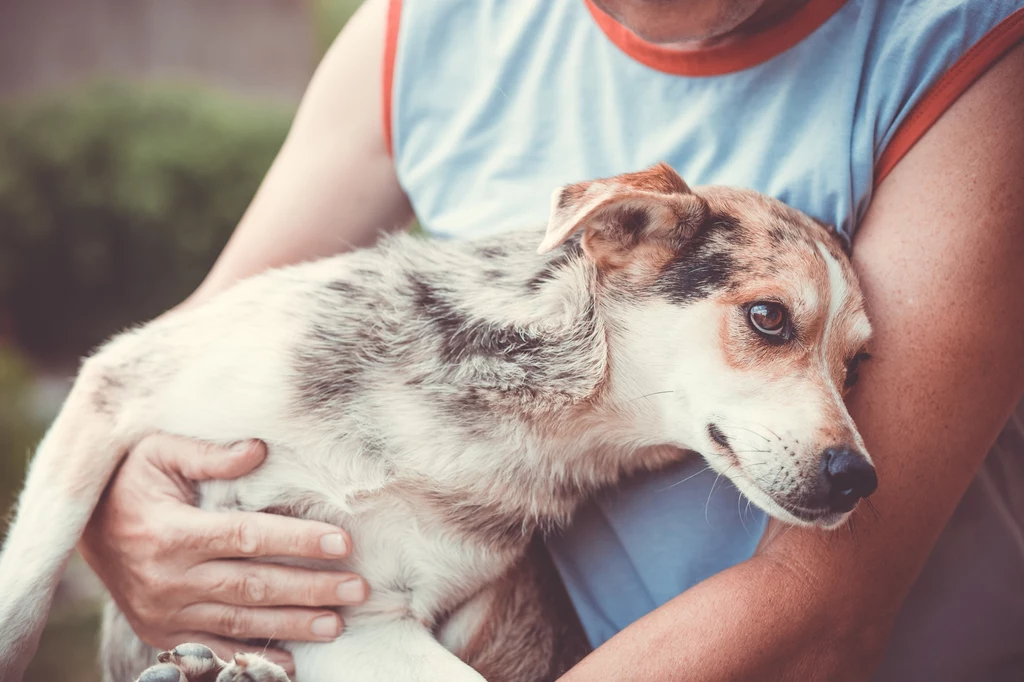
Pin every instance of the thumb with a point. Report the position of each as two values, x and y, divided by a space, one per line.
199 460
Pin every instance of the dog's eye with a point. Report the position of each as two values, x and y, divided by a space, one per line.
770 319
853 368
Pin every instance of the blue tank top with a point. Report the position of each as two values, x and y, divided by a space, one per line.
490 104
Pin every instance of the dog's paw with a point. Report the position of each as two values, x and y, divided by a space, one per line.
251 668
197 663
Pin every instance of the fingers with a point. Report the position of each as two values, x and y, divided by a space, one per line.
240 622
255 534
253 584
199 460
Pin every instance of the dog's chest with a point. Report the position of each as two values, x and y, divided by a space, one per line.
417 562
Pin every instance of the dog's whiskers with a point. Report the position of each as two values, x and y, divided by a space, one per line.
647 395
267 645
851 525
742 512
731 425
774 530
697 473
711 492
760 426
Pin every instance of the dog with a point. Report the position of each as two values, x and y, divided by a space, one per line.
448 401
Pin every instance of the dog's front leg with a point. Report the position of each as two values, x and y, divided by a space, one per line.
369 651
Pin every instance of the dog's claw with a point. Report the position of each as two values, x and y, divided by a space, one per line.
163 672
197 663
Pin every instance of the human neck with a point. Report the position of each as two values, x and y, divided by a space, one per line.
771 13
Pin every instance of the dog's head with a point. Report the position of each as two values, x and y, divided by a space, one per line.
736 327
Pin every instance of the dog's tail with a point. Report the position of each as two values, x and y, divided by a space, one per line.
70 470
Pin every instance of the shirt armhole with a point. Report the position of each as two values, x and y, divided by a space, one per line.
967 69
388 75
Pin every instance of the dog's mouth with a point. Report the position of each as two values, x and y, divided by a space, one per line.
825 518
715 434
822 517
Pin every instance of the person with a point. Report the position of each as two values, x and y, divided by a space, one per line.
898 121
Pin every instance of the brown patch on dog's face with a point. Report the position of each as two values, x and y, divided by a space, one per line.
748 314
781 412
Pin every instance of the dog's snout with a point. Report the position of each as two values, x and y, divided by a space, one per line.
846 477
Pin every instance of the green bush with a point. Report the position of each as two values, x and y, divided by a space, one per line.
115 201
20 428
328 18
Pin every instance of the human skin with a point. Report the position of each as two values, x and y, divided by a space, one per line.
697 23
939 251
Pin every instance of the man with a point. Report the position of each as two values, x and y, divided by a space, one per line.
898 121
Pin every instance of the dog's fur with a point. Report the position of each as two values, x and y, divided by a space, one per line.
446 400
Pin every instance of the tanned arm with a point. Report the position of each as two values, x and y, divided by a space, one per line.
940 256
332 187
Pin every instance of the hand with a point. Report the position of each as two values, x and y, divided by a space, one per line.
173 569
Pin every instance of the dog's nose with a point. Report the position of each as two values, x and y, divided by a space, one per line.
847 476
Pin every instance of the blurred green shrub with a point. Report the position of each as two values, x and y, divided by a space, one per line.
328 18
68 648
115 201
20 429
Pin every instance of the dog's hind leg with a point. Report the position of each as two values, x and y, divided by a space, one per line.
68 474
520 627
394 649
123 656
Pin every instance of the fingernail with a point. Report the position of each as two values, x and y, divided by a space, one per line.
242 446
325 626
352 591
334 544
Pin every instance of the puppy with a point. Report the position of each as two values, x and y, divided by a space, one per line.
444 401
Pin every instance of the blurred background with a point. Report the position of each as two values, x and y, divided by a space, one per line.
133 134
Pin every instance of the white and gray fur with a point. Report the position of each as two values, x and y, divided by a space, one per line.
443 401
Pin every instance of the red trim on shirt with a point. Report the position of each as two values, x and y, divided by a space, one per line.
720 59
967 69
390 48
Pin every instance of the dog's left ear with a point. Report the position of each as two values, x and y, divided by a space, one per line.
841 237
618 214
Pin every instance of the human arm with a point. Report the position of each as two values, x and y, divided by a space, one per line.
939 256
167 565
332 187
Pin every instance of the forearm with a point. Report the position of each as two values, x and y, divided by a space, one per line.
939 257
747 623
811 605
333 185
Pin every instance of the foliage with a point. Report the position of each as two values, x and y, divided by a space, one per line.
115 201
20 429
69 644
328 18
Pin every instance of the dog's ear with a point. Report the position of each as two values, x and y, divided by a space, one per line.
618 214
840 236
